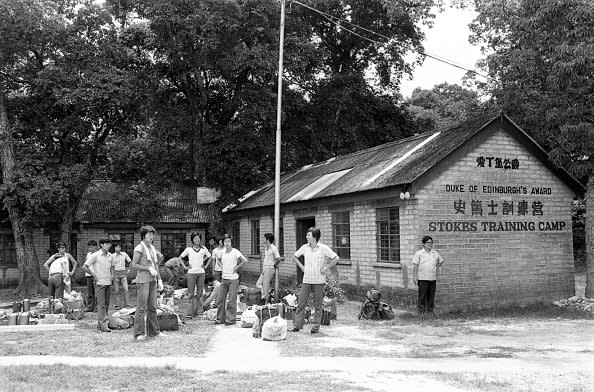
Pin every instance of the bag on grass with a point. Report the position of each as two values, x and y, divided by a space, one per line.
168 321
386 311
373 295
325 317
274 329
370 311
248 318
211 314
117 323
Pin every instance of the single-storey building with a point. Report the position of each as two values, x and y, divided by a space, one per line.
175 213
498 209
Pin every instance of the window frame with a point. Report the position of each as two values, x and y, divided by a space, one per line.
165 249
236 233
8 258
117 237
393 247
341 228
255 237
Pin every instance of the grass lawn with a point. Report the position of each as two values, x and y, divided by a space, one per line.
192 339
65 378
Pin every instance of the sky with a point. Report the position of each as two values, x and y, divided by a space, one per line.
448 38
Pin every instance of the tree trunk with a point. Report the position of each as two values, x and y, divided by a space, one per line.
28 264
590 238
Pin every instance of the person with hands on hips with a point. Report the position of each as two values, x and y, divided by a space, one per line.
232 260
148 282
426 263
319 259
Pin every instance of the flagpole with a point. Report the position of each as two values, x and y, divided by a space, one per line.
277 160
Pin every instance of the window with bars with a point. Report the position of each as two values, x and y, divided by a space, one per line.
126 240
255 234
281 240
235 232
341 234
171 243
388 235
7 250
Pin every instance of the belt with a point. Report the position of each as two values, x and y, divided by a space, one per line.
56 273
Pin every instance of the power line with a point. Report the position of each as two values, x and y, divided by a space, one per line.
336 20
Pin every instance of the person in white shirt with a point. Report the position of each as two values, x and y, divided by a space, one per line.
197 256
121 261
426 263
59 269
269 265
232 260
100 266
319 260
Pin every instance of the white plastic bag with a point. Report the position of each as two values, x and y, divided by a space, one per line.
274 328
248 318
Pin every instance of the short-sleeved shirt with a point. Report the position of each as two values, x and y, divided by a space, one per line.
427 262
196 259
217 253
101 265
270 256
230 260
59 265
144 276
314 261
119 261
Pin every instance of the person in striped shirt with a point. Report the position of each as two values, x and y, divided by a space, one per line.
319 259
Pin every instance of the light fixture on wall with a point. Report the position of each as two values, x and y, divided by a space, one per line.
404 195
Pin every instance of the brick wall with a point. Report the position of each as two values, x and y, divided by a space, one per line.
492 262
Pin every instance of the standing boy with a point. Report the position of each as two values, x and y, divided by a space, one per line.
91 299
269 265
426 262
120 262
100 267
319 259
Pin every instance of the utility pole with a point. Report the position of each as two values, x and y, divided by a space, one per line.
277 160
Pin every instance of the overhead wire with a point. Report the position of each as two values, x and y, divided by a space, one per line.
337 21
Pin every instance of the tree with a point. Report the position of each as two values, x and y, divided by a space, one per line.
68 87
541 61
444 105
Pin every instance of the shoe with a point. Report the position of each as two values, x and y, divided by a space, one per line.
218 322
295 330
117 307
315 330
161 335
140 338
230 324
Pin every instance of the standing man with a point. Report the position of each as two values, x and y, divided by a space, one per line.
319 259
271 260
426 262
91 299
100 266
217 254
121 261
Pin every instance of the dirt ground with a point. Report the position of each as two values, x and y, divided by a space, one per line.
536 351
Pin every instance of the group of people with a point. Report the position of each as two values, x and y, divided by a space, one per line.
104 270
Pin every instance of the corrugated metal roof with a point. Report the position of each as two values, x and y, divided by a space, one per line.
176 204
391 164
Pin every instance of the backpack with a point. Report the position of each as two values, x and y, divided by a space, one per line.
370 311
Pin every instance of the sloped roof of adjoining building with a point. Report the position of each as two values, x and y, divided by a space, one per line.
176 204
391 164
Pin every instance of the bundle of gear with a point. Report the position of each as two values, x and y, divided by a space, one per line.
373 309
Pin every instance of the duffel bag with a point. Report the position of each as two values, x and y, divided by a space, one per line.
386 311
168 321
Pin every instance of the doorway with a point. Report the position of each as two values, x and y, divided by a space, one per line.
301 226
